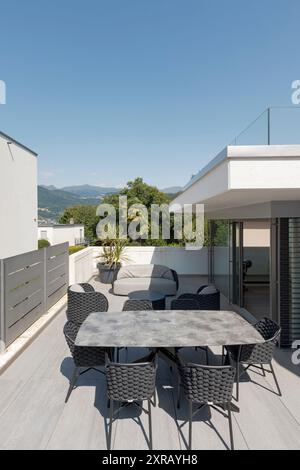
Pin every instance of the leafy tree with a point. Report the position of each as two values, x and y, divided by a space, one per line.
85 215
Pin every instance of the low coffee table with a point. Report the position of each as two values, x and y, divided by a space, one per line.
157 299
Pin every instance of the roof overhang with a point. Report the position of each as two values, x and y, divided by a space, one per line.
245 176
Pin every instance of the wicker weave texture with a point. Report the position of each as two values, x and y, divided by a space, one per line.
206 385
184 304
205 301
131 382
133 305
259 353
81 304
83 356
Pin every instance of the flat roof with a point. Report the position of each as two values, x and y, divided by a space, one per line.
245 175
14 141
246 151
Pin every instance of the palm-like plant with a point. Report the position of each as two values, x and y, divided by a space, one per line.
113 253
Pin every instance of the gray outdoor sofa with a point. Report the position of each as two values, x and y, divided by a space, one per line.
141 277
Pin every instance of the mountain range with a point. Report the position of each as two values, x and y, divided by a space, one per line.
52 201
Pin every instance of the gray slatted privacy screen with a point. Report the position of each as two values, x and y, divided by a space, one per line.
294 278
57 273
30 284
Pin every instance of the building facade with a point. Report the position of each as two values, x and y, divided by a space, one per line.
72 233
18 198
251 196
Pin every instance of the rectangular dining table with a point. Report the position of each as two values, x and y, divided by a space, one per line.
166 329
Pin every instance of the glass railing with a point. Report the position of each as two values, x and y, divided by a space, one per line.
275 126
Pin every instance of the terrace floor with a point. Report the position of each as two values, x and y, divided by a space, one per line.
33 414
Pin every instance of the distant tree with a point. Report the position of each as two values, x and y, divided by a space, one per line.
85 215
139 192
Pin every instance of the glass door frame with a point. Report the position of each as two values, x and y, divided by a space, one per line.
236 258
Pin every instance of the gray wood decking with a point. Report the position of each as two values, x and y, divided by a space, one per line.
33 414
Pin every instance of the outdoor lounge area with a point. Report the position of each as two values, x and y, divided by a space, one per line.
34 415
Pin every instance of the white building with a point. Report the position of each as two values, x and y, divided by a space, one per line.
251 196
18 198
72 233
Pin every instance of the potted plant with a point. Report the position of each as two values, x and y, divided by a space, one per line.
111 260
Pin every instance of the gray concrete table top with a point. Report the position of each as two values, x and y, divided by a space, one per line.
166 328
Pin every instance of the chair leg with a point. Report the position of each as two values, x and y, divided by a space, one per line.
72 383
150 425
178 392
276 381
237 381
230 427
263 370
111 417
155 399
223 355
190 425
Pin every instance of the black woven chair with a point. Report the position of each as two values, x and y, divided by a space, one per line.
133 305
188 304
257 355
206 385
81 304
84 357
205 301
131 384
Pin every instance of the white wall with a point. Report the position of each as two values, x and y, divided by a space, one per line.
183 261
18 200
59 234
82 266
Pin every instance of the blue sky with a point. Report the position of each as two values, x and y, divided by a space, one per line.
107 90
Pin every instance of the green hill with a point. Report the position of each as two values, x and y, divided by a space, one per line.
51 203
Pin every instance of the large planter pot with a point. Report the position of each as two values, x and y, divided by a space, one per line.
106 273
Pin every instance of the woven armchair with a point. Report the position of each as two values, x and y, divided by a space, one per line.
131 384
205 301
184 304
134 305
81 304
206 386
257 355
84 357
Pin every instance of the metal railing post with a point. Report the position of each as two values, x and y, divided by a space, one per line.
2 313
269 126
45 280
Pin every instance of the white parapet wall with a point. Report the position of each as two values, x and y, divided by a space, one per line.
183 261
82 266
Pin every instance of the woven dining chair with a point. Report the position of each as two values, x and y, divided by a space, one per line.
133 305
81 304
86 358
188 304
131 384
205 301
206 386
257 355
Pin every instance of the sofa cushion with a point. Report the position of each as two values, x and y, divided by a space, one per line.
145 271
208 290
125 286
